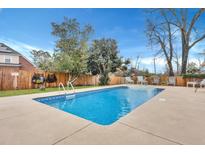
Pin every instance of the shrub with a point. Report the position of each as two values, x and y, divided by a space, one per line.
200 76
104 79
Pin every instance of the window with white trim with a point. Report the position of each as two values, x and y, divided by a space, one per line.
7 59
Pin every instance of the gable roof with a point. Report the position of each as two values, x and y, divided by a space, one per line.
6 49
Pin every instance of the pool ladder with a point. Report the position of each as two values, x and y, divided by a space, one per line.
71 85
71 96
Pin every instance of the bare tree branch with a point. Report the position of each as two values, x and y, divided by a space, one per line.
196 41
194 19
178 23
162 35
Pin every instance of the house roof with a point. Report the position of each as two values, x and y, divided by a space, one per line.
6 49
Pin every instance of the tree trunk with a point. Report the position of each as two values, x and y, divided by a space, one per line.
178 72
171 72
185 53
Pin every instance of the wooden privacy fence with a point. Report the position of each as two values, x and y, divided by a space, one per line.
24 80
180 81
116 80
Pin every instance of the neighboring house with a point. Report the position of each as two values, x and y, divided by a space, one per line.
13 60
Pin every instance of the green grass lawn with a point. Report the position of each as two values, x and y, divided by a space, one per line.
34 91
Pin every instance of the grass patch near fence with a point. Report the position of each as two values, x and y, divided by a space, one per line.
34 91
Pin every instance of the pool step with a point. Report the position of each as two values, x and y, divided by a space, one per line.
70 96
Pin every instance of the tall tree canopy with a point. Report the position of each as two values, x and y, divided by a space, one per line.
73 55
42 60
104 58
71 51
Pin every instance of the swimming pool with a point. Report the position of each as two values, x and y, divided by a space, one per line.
104 106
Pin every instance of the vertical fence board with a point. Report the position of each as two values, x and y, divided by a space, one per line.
24 80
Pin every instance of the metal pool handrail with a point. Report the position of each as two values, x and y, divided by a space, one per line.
61 85
70 83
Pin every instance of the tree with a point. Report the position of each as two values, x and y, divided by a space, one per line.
161 34
103 58
42 60
190 34
123 70
71 51
136 62
177 62
192 68
202 60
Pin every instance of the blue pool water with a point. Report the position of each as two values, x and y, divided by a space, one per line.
104 106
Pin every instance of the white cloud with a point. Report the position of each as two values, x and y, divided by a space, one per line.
195 60
148 63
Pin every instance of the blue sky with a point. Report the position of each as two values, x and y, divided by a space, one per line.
27 29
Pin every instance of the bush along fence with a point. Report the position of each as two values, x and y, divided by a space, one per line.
26 80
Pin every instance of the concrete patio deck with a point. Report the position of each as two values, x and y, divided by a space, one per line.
175 116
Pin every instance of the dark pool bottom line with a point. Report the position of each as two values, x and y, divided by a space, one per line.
103 106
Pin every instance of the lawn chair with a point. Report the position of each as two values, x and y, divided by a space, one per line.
128 80
141 80
193 83
156 80
200 85
171 80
